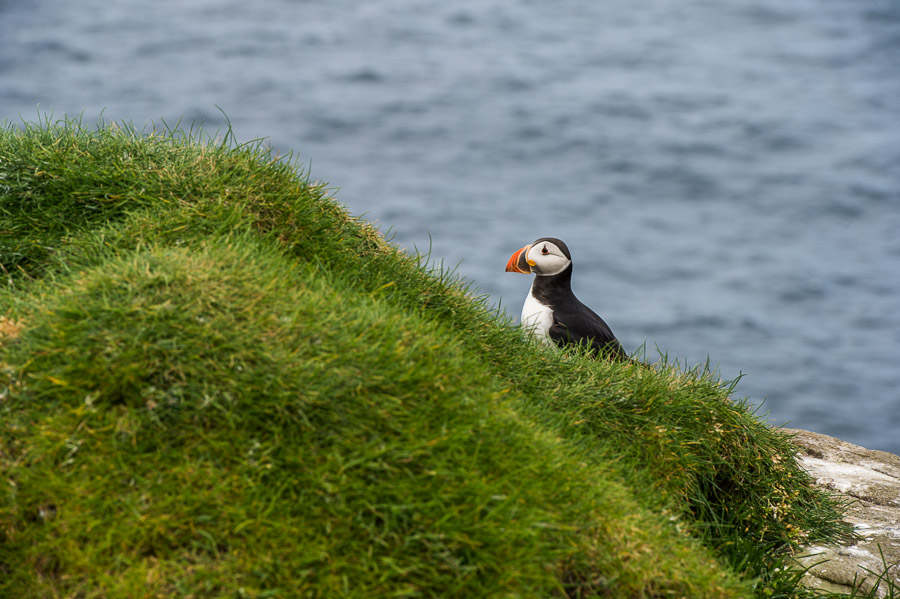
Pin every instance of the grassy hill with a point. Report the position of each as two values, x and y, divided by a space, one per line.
214 382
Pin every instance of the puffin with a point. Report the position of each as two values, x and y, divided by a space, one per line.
551 312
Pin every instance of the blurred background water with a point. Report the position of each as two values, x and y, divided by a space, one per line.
726 174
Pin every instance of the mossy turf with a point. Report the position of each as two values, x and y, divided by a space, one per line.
216 383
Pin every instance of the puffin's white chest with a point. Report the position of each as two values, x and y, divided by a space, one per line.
537 318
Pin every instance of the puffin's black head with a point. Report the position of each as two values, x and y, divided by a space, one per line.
545 257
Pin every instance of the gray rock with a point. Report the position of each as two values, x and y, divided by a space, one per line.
871 481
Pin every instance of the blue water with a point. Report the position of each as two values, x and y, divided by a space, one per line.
726 174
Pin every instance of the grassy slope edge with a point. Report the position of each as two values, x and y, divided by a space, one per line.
216 383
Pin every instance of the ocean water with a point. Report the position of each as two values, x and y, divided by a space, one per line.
727 175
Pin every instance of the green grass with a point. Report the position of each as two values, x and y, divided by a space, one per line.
216 383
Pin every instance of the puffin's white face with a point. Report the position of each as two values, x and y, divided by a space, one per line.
546 259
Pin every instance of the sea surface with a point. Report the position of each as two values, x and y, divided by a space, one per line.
726 174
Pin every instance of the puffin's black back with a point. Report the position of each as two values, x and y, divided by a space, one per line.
573 322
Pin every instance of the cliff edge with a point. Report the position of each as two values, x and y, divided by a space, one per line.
214 381
869 481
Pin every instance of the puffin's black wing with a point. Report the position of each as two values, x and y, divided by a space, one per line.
584 326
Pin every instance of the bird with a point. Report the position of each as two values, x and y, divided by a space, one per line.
551 312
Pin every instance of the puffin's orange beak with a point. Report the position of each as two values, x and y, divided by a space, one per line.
518 262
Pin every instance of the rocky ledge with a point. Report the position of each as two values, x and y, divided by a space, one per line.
870 482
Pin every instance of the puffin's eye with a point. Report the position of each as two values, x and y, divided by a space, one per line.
544 250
